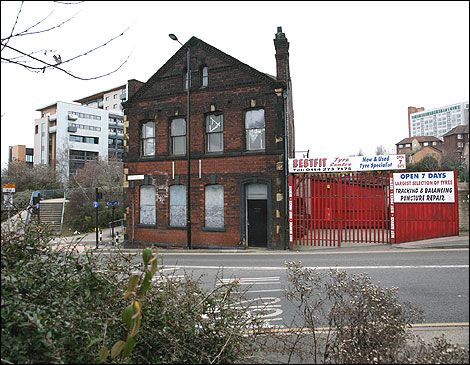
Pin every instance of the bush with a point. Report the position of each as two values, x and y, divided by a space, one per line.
354 321
59 306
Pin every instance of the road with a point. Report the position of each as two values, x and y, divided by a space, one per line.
436 280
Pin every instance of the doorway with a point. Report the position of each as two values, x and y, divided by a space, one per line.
257 215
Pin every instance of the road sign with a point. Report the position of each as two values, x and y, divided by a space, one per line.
95 204
8 188
113 203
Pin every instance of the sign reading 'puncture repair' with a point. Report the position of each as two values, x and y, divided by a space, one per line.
424 187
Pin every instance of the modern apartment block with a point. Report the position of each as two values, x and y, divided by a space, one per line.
21 153
69 134
436 122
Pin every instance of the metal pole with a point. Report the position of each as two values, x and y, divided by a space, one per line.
112 224
188 136
96 228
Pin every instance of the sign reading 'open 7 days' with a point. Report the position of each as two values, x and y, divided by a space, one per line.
346 164
424 187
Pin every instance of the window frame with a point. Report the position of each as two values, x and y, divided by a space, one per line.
247 130
173 137
209 134
144 138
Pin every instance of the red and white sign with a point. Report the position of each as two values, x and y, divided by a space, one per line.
354 163
424 187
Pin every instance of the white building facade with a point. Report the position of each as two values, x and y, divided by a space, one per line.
439 121
69 134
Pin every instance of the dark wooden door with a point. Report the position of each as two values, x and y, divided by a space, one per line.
257 223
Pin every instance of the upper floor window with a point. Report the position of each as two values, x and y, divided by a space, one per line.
178 206
460 144
205 76
215 133
214 206
178 136
400 146
148 214
459 136
185 78
148 138
255 129
425 144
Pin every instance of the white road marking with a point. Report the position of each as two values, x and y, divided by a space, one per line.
399 267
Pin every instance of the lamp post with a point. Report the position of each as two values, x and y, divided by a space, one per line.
188 152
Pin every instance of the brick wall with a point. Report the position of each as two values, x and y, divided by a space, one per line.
463 196
233 89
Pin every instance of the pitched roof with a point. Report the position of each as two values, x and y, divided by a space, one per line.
460 129
420 139
192 43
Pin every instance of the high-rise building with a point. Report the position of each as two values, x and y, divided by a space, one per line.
69 134
436 122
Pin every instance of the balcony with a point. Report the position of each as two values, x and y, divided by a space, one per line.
122 96
53 129
72 116
52 118
72 129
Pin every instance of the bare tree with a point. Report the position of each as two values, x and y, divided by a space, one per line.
381 150
45 59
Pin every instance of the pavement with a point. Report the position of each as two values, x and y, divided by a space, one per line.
87 241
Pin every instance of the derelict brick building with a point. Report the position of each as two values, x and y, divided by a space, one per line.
238 121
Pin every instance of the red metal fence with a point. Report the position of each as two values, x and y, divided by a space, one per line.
328 209
331 208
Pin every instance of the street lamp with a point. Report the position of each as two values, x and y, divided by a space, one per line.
188 152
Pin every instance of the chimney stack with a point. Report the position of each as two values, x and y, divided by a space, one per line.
282 56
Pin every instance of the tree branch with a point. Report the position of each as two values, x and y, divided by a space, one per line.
13 28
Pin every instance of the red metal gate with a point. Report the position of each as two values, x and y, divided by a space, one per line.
332 208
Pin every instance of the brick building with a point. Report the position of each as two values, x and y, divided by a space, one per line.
237 123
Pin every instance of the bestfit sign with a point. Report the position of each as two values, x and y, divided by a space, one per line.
424 187
346 164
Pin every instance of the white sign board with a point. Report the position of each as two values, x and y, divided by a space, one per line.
424 187
354 163
135 177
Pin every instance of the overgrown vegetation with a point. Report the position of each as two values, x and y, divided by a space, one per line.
58 306
347 319
61 307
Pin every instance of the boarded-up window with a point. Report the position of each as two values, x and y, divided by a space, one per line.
214 204
148 214
254 126
178 206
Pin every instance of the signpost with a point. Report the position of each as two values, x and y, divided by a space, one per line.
8 189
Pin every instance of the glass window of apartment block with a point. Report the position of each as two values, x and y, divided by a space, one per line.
254 127
148 213
178 206
178 136
214 206
148 138
215 133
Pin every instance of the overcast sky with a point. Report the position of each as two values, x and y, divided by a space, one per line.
355 66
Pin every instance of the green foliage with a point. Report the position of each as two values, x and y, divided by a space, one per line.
428 163
58 306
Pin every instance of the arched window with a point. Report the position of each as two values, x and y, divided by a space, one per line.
214 206
255 130
204 76
215 133
148 138
177 206
178 136
148 213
